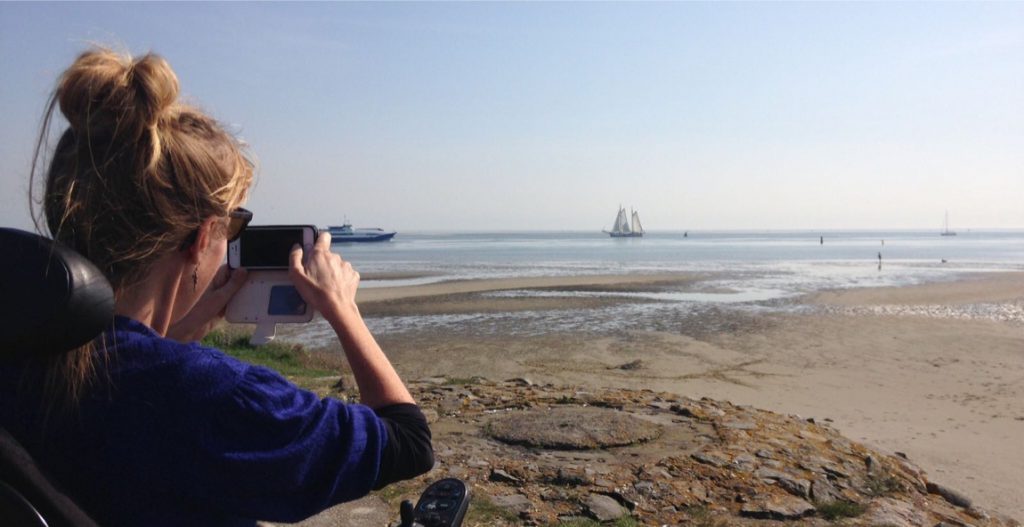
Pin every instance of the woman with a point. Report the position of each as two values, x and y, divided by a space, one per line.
145 426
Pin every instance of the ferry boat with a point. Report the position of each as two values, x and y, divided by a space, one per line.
345 233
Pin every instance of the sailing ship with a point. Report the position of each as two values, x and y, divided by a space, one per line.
945 227
626 226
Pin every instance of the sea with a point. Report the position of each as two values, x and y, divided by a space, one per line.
746 271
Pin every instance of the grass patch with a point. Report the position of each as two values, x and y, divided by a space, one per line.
624 521
482 511
291 360
700 516
882 485
394 493
461 381
837 510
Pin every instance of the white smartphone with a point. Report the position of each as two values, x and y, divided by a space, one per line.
268 297
268 246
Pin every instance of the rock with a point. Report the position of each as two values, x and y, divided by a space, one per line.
807 434
572 476
645 488
796 486
835 471
603 508
777 508
572 428
655 473
711 457
520 381
740 425
478 463
744 462
632 365
431 415
686 411
516 503
824 492
450 405
708 466
893 513
502 477
949 494
978 514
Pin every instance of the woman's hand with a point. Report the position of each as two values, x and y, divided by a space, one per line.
328 284
209 309
325 281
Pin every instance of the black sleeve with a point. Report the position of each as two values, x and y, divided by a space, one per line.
409 452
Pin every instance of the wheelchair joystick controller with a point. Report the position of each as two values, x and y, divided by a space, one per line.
443 504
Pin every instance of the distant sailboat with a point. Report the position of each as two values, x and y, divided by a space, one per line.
626 227
945 227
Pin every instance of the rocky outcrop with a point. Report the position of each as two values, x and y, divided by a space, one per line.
542 454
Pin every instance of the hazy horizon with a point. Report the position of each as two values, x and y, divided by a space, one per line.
519 117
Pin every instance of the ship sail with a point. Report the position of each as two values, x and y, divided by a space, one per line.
945 227
621 223
636 223
626 225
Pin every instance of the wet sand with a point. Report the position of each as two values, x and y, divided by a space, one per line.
592 282
926 370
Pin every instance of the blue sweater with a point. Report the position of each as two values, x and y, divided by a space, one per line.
180 434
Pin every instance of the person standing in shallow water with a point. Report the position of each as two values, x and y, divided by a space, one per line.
145 426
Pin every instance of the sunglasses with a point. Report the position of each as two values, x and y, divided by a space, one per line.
238 220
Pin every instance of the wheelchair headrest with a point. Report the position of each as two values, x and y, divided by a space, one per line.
51 298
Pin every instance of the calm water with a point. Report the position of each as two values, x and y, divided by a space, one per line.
743 271
490 255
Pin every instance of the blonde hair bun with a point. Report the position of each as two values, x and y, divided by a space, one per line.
104 88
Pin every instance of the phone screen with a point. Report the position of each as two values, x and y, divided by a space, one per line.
285 300
268 248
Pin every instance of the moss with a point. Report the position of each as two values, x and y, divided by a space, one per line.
837 510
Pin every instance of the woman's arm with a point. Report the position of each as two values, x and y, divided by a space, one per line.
329 284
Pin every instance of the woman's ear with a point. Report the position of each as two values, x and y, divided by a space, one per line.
204 237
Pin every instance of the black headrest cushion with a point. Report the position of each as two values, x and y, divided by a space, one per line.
51 298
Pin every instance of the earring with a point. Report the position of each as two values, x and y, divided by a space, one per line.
195 278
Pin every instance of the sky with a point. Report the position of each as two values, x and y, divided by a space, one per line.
548 116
